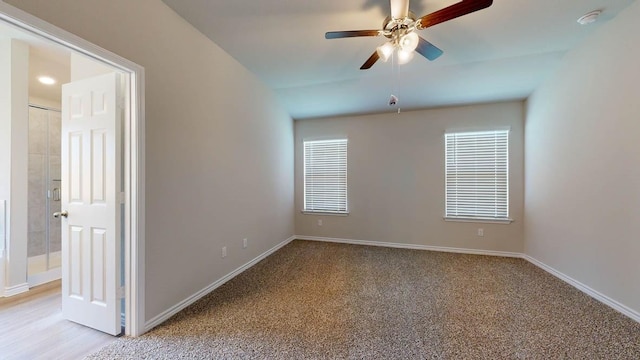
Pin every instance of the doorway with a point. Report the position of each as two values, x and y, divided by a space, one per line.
132 174
44 258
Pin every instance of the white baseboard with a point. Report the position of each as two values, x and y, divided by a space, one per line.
157 320
585 289
44 277
165 315
625 310
16 289
413 246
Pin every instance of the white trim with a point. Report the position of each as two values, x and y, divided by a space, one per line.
625 310
160 318
44 277
134 153
476 129
165 315
477 220
16 289
328 213
413 246
135 213
3 245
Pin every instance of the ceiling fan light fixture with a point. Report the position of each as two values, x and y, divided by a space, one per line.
409 42
404 56
385 51
400 28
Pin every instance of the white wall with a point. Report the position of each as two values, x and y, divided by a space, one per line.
14 130
82 67
396 177
219 147
38 101
583 163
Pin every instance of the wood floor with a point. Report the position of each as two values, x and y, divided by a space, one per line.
32 327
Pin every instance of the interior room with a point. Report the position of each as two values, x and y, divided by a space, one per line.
303 180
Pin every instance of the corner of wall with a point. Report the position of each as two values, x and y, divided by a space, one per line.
580 137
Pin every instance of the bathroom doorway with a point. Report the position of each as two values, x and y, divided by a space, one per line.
15 252
44 194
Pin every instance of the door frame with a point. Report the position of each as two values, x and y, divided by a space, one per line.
134 155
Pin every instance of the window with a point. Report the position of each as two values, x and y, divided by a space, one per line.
477 175
325 176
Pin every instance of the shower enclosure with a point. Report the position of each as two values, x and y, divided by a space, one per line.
44 234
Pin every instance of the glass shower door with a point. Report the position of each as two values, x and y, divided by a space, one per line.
44 196
54 233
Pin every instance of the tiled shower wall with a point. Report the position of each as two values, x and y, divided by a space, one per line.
44 177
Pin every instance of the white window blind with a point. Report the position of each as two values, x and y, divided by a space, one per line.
477 175
325 176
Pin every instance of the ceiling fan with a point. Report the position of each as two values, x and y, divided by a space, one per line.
400 28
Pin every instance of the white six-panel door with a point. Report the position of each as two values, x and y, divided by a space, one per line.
91 169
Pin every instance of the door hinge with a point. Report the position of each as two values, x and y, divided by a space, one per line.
121 198
120 292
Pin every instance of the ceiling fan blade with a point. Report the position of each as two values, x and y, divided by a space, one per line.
370 61
451 12
348 34
399 9
428 50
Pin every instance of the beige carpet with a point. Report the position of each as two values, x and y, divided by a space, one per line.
320 300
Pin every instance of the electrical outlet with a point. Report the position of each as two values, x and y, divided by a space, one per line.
319 222
244 243
480 232
224 251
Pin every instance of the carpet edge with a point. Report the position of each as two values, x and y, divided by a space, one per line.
165 315
412 246
616 305
621 308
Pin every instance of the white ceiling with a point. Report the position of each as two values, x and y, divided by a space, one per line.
500 53
45 59
52 62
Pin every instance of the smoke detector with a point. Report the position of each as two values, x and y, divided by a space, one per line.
590 17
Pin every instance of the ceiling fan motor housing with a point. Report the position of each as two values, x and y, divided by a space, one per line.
401 28
392 26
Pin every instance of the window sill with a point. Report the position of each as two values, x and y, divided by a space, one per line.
330 213
478 220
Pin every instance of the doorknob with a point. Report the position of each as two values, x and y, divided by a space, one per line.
57 214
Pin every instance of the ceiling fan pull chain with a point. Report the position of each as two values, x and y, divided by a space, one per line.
393 99
396 86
